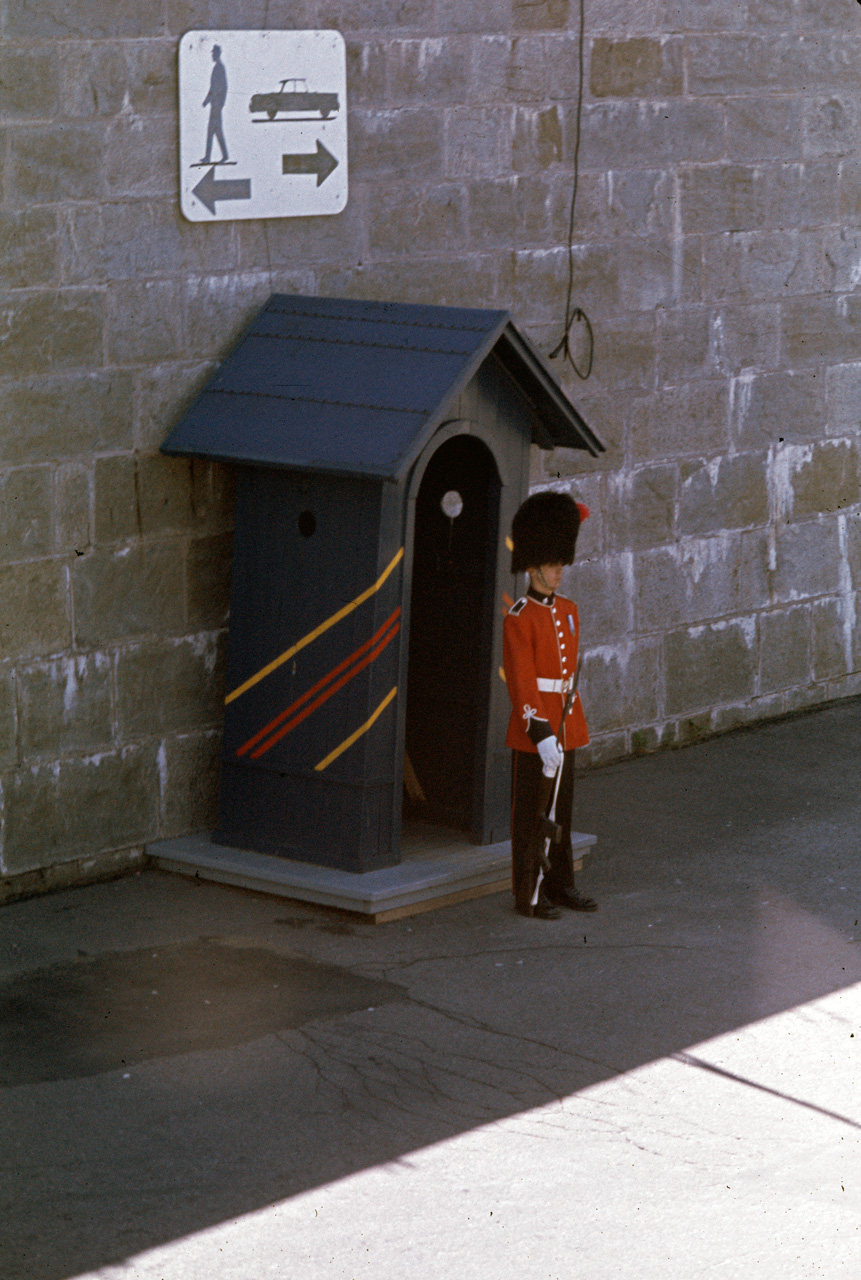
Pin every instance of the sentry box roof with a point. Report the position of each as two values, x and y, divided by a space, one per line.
358 388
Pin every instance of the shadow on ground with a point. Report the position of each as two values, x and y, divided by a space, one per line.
287 1047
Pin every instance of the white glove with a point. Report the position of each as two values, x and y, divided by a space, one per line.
551 756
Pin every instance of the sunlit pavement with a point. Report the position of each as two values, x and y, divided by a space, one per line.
227 1085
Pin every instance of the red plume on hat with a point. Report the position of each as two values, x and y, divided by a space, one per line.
544 530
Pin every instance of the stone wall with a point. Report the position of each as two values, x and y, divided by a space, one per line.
717 250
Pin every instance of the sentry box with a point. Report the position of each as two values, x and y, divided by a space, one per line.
381 450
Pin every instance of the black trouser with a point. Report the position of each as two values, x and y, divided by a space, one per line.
529 788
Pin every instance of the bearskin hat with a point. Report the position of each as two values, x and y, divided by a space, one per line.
544 530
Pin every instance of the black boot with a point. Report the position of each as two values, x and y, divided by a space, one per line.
568 896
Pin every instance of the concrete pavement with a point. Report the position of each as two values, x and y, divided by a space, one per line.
204 1082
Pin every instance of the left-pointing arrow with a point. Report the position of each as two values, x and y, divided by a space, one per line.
208 191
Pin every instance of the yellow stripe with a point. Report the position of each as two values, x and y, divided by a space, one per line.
509 544
318 631
502 676
354 737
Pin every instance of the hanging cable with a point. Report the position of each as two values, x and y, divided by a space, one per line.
576 315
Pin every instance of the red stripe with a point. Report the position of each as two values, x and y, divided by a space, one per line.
324 697
309 693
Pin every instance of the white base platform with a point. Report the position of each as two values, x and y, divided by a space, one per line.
438 868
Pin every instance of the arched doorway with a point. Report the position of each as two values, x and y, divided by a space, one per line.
455 555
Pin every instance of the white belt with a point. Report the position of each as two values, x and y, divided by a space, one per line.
553 686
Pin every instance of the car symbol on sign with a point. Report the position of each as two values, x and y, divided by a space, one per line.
293 95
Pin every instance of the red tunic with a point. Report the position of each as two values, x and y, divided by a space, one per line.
540 644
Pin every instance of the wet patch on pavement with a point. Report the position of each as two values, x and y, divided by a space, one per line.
107 1012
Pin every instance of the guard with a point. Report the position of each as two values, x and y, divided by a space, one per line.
541 641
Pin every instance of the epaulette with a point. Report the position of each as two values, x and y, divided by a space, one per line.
517 606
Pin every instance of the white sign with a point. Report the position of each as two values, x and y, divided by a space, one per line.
262 124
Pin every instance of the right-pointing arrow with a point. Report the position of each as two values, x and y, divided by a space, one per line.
321 162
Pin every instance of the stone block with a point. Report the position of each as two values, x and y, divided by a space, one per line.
650 738
699 579
95 79
620 686
831 126
178 495
41 332
118 241
849 191
35 616
25 513
538 140
493 16
170 686
285 242
50 163
478 142
659 273
432 70
541 275
642 202
738 197
8 718
641 67
691 419
843 392
807 561
82 19
821 330
29 249
842 251
162 393
508 212
38 423
693 729
403 220
707 666
784 648
367 73
116 499
140 156
145 322
29 83
754 265
373 15
726 493
253 15
642 507
687 345
130 592
852 523
218 307
468 281
764 128
56 812
750 64
208 581
826 480
72 509
190 777
525 70
602 590
604 416
65 706
725 719
541 15
747 337
832 635
770 408
701 15
625 354
623 134
405 144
